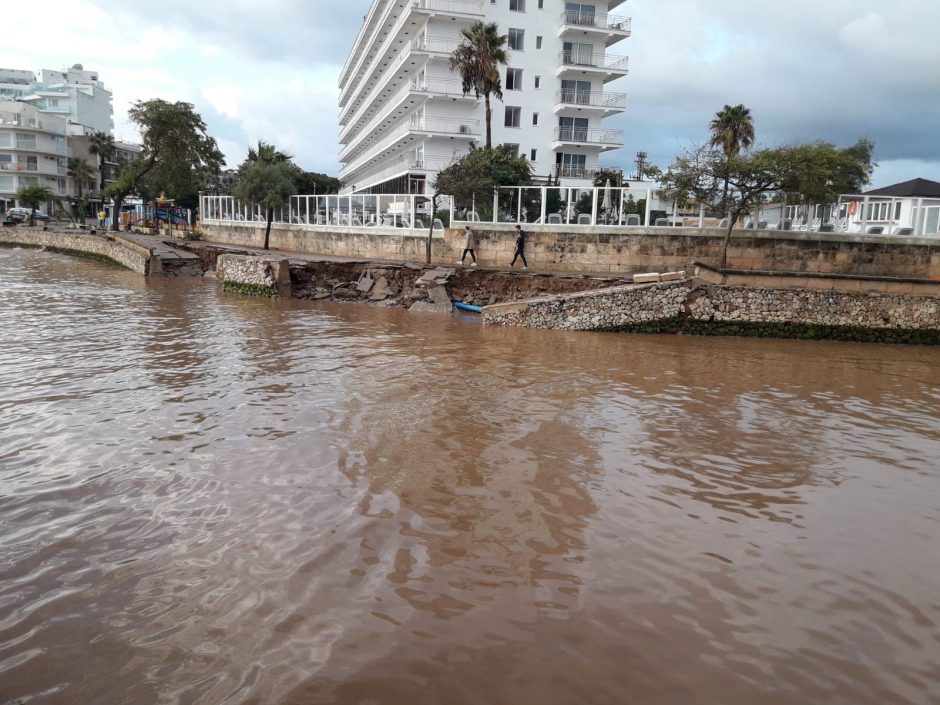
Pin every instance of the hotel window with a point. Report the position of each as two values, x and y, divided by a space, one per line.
516 39
513 149
517 5
25 141
532 155
6 139
513 116
538 42
540 7
538 81
513 79
535 118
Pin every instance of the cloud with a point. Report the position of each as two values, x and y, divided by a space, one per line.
834 70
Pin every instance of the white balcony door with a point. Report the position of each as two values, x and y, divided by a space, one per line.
579 54
576 92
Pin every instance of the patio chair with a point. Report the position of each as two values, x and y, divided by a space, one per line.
633 219
661 223
876 230
826 228
904 232
554 219
472 217
438 224
419 224
722 224
762 225
785 224
584 219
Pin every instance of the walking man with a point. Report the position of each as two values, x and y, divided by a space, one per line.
469 246
520 248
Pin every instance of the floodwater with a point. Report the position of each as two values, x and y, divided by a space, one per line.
209 499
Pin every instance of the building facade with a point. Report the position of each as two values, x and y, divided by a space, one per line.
403 115
33 151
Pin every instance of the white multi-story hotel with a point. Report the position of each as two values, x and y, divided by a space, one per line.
403 115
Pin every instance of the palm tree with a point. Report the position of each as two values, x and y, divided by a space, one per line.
80 170
33 197
477 60
267 178
732 130
102 145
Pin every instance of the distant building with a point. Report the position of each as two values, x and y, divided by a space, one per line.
33 150
403 115
76 94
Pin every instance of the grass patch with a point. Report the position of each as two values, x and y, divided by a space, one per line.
256 290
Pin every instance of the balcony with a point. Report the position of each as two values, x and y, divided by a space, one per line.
600 102
608 67
415 127
605 139
613 28
445 126
467 8
582 173
436 46
400 102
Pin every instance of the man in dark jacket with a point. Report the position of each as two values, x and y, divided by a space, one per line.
520 248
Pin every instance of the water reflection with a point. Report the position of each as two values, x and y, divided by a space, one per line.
211 499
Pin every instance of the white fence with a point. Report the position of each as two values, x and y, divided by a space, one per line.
514 205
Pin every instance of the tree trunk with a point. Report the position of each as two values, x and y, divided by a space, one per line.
724 201
724 247
116 213
489 138
267 229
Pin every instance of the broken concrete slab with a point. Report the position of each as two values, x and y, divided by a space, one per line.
439 295
672 276
365 284
321 293
647 278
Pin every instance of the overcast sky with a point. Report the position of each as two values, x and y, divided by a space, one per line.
809 69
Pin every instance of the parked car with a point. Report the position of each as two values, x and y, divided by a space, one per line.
21 215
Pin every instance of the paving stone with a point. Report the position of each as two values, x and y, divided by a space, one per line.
646 278
439 295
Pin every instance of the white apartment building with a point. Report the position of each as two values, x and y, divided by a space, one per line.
77 95
32 150
403 115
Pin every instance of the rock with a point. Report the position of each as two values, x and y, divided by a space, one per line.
365 284
428 307
321 293
345 294
672 276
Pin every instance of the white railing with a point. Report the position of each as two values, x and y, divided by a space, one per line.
598 99
434 45
448 126
399 211
440 86
608 62
583 135
610 23
560 171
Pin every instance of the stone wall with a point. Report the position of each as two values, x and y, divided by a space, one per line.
116 249
613 250
698 307
259 276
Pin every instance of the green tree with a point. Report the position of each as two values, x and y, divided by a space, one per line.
33 197
177 153
474 176
700 174
311 182
102 145
266 178
732 131
477 59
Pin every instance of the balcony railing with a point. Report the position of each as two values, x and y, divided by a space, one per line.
598 99
464 7
434 45
585 136
592 20
559 171
609 62
448 126
440 86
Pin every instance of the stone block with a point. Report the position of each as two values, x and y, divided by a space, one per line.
672 276
647 278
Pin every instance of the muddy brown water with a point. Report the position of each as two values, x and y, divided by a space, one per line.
208 499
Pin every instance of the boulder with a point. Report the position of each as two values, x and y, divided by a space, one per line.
428 307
